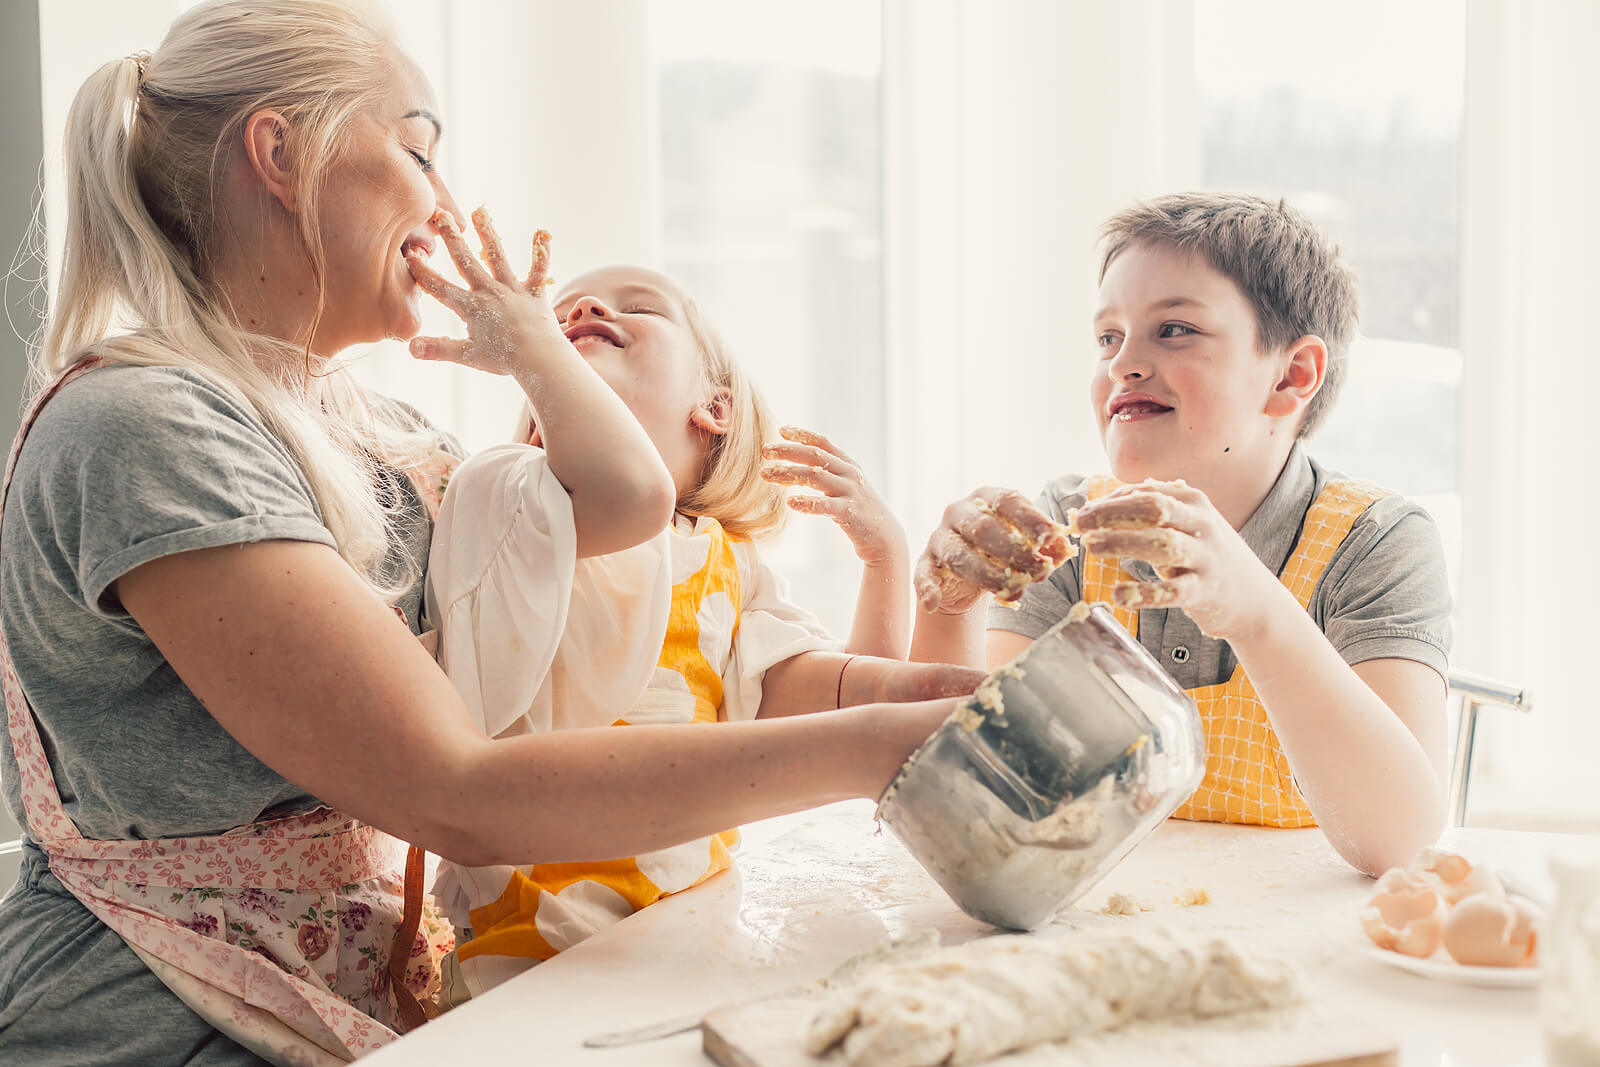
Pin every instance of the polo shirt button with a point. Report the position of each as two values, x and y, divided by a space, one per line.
1180 655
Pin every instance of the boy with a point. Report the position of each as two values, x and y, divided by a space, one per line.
1307 615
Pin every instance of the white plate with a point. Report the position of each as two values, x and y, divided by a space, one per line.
1442 968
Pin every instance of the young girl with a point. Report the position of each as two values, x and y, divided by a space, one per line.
689 626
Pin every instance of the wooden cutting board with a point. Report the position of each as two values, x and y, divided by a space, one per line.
770 1033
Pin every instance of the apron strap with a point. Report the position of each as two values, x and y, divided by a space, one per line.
412 1012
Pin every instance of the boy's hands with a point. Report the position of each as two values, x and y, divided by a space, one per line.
1202 563
809 459
503 313
990 541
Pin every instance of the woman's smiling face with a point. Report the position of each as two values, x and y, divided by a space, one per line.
378 198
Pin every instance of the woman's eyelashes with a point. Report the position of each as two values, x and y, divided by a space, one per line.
422 161
1170 330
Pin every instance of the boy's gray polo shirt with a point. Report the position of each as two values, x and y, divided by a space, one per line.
1385 594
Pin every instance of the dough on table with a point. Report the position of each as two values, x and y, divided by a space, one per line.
1124 904
974 1002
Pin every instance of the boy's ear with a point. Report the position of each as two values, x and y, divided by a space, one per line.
1303 375
266 146
715 415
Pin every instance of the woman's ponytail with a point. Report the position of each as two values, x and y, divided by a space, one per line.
147 141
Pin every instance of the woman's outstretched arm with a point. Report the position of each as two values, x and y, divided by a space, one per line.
294 656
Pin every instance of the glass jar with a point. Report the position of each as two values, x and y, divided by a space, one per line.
1569 955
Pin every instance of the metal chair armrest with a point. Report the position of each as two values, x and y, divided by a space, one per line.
1475 692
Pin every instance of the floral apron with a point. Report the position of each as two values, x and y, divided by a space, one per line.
281 934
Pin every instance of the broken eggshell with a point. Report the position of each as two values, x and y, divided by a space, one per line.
1488 930
1406 913
1457 878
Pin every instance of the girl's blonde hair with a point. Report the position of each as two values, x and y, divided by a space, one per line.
147 141
731 488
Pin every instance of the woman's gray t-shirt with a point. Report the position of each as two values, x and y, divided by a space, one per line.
126 465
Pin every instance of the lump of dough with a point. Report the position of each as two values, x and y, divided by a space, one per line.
980 1000
1123 904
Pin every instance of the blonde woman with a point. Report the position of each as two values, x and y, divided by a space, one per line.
217 727
690 626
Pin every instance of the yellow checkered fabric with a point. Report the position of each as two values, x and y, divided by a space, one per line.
509 926
1248 778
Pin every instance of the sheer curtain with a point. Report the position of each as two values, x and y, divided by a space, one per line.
1012 130
1530 231
550 122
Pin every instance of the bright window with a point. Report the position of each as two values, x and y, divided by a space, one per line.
771 153
1357 121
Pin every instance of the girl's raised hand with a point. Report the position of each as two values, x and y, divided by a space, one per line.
808 459
505 315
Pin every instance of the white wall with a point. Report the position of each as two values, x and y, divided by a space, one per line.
21 148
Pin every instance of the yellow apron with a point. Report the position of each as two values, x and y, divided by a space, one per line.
509 926
1248 779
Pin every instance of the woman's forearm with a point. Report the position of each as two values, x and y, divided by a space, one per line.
1372 779
579 795
313 675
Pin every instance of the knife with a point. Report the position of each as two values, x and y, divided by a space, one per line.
912 946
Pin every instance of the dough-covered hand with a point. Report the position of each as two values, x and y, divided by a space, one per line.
807 459
505 315
991 541
1201 562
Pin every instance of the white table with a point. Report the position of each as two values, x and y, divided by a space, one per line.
831 887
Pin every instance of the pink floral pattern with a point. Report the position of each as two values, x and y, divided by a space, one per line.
277 933
432 478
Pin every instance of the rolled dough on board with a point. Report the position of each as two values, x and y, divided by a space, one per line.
771 1033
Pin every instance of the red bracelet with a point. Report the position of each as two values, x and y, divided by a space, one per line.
838 695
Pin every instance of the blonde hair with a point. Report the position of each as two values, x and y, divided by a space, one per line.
731 489
1291 273
146 143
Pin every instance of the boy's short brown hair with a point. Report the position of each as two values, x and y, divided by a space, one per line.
1287 268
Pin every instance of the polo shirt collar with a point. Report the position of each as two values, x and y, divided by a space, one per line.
1273 528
